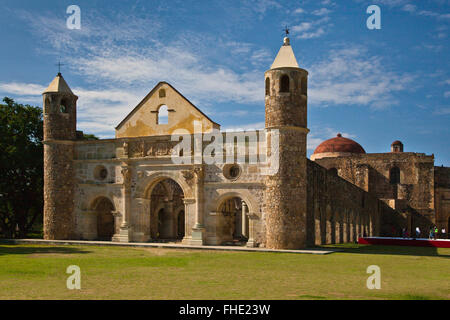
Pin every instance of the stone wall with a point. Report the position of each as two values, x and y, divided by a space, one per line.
413 196
339 211
59 185
149 160
442 197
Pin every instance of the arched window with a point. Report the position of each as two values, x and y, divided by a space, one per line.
163 115
63 106
268 87
304 84
333 171
394 175
284 84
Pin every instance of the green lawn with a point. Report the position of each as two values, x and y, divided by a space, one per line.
38 272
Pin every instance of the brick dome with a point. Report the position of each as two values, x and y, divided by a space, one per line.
339 144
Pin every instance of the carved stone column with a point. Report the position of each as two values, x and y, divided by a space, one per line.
198 231
244 219
117 217
188 213
126 192
251 230
142 231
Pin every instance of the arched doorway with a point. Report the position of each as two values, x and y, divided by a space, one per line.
105 218
235 223
165 221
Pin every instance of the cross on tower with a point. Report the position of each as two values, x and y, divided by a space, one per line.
59 64
286 31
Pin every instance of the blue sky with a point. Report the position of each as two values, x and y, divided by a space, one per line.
374 86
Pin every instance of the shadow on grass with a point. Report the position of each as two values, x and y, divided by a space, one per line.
392 250
18 249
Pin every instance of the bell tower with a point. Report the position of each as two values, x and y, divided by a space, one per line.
59 136
286 116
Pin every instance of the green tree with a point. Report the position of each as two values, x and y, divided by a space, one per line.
21 168
87 136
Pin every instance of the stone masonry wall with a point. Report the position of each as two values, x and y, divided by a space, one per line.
339 211
414 195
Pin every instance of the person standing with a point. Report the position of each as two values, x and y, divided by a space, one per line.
435 232
417 232
443 233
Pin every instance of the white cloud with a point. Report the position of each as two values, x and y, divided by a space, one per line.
442 111
409 8
314 28
299 10
321 12
24 89
350 76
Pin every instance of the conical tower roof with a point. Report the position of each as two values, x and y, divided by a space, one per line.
285 57
58 85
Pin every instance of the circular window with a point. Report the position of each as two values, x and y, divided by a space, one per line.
232 171
100 173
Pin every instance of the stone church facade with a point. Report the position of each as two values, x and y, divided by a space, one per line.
130 189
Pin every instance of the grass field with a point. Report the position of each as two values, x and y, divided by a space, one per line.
39 272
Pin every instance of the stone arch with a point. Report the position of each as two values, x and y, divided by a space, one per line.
104 218
162 115
253 206
345 226
226 223
329 227
352 221
317 226
267 86
304 85
333 171
64 105
146 185
164 195
394 175
338 226
284 83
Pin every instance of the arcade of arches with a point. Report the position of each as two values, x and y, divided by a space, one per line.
235 222
167 214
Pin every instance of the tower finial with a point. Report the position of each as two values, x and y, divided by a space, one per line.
286 41
59 64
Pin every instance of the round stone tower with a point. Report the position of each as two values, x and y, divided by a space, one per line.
59 136
286 117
